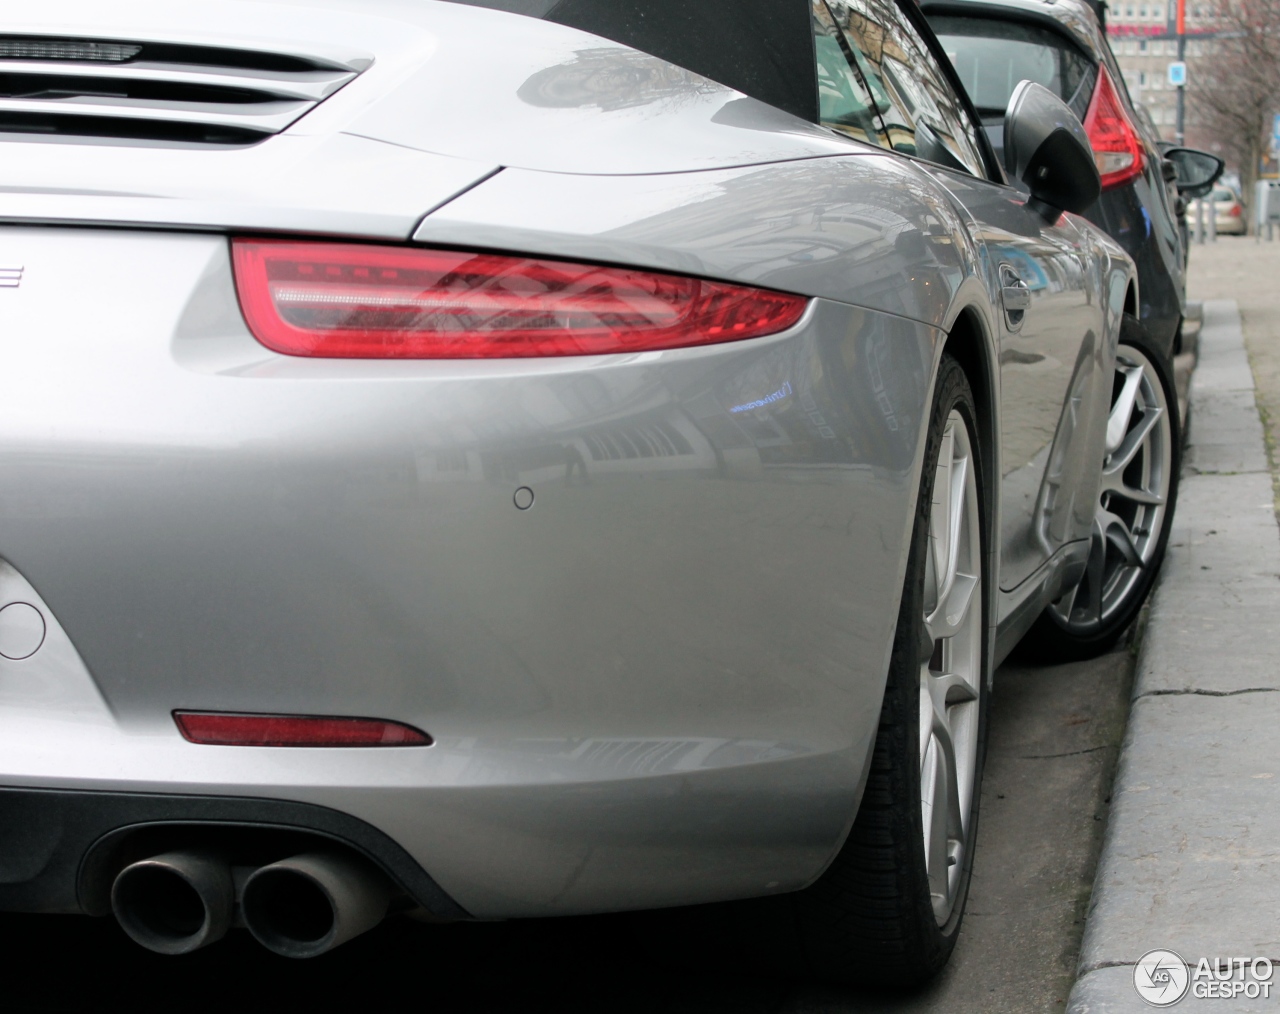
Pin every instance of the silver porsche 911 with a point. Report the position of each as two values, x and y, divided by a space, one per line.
534 457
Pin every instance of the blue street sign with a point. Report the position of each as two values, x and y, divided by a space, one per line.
1275 126
1177 74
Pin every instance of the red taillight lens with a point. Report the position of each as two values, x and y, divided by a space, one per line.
1236 211
346 300
222 729
1116 146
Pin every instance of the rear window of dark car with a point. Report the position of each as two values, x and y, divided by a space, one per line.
992 57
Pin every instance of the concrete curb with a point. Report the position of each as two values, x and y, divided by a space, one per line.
1190 857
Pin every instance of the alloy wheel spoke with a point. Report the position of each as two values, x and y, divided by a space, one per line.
948 618
1122 410
1094 571
930 596
947 689
1133 441
1114 483
959 473
940 521
939 818
945 820
926 724
1118 534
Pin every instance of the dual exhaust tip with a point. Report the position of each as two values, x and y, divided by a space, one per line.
300 907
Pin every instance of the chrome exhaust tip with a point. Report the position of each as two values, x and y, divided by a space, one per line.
311 903
176 902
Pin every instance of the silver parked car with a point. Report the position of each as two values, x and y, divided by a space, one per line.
498 463
1227 209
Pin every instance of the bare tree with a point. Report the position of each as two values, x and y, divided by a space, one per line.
1234 86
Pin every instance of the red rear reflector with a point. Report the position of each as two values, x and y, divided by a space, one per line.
355 301
1117 149
221 729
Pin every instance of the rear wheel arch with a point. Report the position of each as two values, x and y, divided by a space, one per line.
968 343
971 345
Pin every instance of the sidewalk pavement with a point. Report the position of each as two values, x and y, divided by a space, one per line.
1191 859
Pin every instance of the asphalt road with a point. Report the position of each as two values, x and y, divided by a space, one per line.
1055 734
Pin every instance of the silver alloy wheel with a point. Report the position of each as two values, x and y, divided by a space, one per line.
1132 506
951 674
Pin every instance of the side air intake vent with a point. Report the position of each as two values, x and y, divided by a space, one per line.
159 91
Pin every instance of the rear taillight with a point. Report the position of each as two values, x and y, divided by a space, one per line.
1236 211
346 300
1117 149
217 728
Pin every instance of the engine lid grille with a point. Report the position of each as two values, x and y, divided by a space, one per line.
160 91
66 49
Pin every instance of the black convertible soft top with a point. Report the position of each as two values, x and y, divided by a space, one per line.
763 48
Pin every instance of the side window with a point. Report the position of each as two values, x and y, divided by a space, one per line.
921 112
843 101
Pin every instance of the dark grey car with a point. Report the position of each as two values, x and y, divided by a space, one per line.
994 44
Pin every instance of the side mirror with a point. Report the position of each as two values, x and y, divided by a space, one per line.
1046 148
1196 171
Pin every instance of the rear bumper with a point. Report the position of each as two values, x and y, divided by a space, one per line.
659 686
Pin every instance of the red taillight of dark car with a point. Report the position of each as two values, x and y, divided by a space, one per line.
358 301
216 728
1117 149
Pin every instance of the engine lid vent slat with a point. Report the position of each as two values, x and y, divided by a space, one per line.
160 91
313 85
264 117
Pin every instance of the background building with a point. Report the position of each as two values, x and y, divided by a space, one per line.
1143 40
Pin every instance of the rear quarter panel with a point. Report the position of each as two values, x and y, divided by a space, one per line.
658 686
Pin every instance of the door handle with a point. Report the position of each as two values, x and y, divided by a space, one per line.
1015 296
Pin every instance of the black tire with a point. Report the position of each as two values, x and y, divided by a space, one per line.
869 918
1052 638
